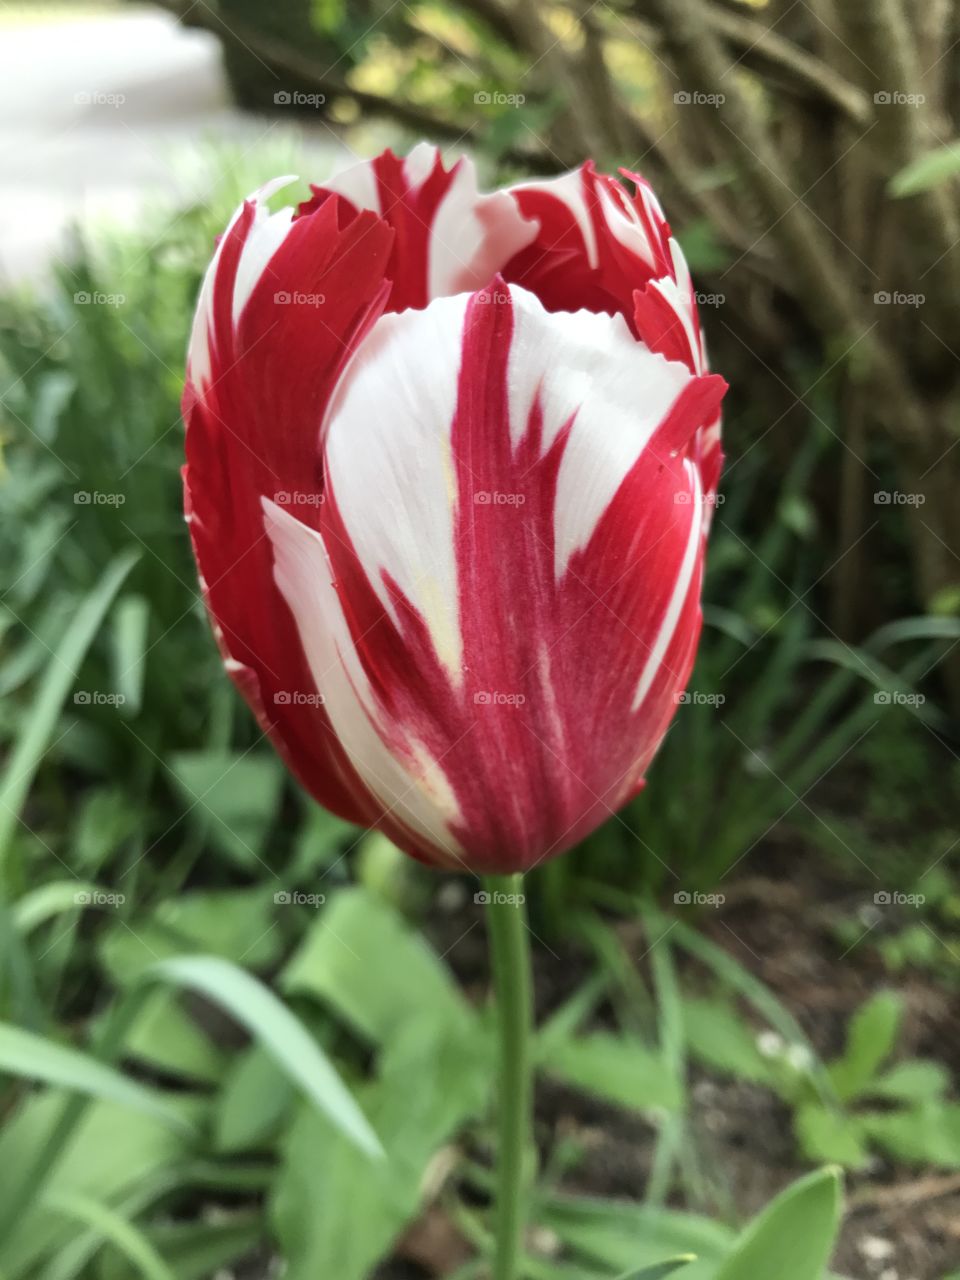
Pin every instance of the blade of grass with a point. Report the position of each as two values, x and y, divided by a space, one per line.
33 1057
280 1033
110 1225
37 724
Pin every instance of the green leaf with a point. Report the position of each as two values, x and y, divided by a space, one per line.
113 1152
871 1037
336 1214
234 797
253 1101
826 1135
620 1235
280 1033
38 722
718 1037
619 1069
131 1242
234 924
50 900
915 1081
925 1134
363 960
660 1269
793 1237
33 1057
926 171
131 619
163 1036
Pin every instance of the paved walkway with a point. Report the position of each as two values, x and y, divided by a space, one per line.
100 113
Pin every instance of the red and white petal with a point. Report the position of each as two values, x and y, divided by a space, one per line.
282 307
596 244
449 238
502 596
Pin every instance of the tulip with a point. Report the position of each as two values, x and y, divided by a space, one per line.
451 459
450 464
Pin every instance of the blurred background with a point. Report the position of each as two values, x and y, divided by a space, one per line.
752 970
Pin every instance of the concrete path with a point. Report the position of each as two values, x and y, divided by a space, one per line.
100 113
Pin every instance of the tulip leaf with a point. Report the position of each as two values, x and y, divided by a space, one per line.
620 1236
363 961
280 1033
793 1237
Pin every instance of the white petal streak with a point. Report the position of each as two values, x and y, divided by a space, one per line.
264 238
358 184
473 236
568 188
389 463
587 366
404 777
680 591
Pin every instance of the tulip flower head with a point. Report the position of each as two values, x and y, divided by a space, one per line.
450 463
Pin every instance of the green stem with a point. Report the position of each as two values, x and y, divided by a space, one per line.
510 955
